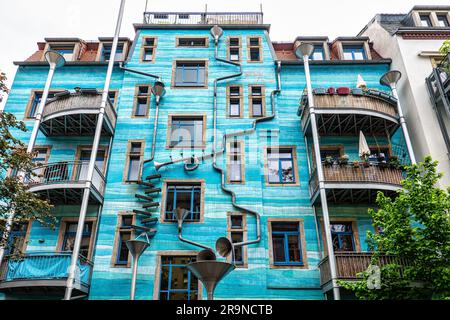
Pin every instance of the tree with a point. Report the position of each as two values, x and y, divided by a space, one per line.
14 158
415 235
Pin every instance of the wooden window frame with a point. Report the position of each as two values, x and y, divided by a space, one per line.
435 15
303 251
31 99
118 230
148 96
260 47
229 47
197 116
76 49
294 160
241 101
143 47
80 148
127 160
355 230
101 46
173 253
168 182
63 227
241 154
177 41
174 73
364 44
251 97
244 230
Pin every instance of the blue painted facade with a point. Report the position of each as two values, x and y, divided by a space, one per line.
258 280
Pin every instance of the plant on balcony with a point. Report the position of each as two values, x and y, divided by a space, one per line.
356 164
394 163
412 246
14 196
343 160
329 161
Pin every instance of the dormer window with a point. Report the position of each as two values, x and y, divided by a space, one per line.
66 50
318 53
106 52
354 52
442 20
425 20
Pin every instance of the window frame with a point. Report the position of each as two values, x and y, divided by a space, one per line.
354 46
117 240
178 38
188 182
295 166
76 49
138 96
302 244
241 101
426 15
62 230
197 116
101 47
81 148
259 46
187 61
244 232
31 101
238 47
445 15
25 234
251 96
346 220
144 47
241 154
129 154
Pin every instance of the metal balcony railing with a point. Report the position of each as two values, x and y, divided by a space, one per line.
205 18
44 266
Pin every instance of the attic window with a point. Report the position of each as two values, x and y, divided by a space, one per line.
354 52
425 20
106 52
66 50
318 53
442 20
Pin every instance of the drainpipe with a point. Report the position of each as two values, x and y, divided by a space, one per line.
55 60
90 173
304 51
390 79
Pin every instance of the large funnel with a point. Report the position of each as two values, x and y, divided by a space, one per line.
55 58
304 49
390 78
210 273
137 247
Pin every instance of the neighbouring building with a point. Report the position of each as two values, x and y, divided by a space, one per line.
413 40
267 163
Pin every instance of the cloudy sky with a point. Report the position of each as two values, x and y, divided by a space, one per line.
25 22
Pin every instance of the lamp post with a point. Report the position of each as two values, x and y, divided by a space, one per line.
304 51
55 60
390 79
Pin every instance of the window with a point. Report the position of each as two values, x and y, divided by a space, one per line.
286 243
148 49
235 103
354 52
66 50
330 151
238 233
442 20
124 232
176 281
142 101
318 53
379 153
35 100
183 196
84 156
112 95
190 74
342 236
70 231
201 42
235 159
425 20
257 101
280 165
106 52
186 131
17 238
134 157
234 49
254 49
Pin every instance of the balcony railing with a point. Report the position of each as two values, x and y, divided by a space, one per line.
43 269
349 174
203 18
65 175
349 264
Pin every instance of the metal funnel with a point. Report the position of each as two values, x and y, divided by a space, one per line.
390 78
304 49
216 32
210 273
55 58
137 247
181 214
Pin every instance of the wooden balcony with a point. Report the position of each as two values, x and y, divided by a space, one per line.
64 183
75 114
371 111
203 18
43 273
350 184
349 264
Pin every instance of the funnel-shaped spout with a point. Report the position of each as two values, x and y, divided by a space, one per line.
390 78
181 214
55 58
210 273
216 32
137 247
158 89
224 246
304 49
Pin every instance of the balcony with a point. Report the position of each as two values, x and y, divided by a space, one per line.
43 273
371 111
64 183
438 84
349 264
203 18
75 114
350 184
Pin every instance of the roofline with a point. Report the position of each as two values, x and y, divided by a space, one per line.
338 62
138 26
59 39
68 63
422 29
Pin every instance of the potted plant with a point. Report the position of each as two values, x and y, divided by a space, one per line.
329 160
365 159
394 162
356 164
343 160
